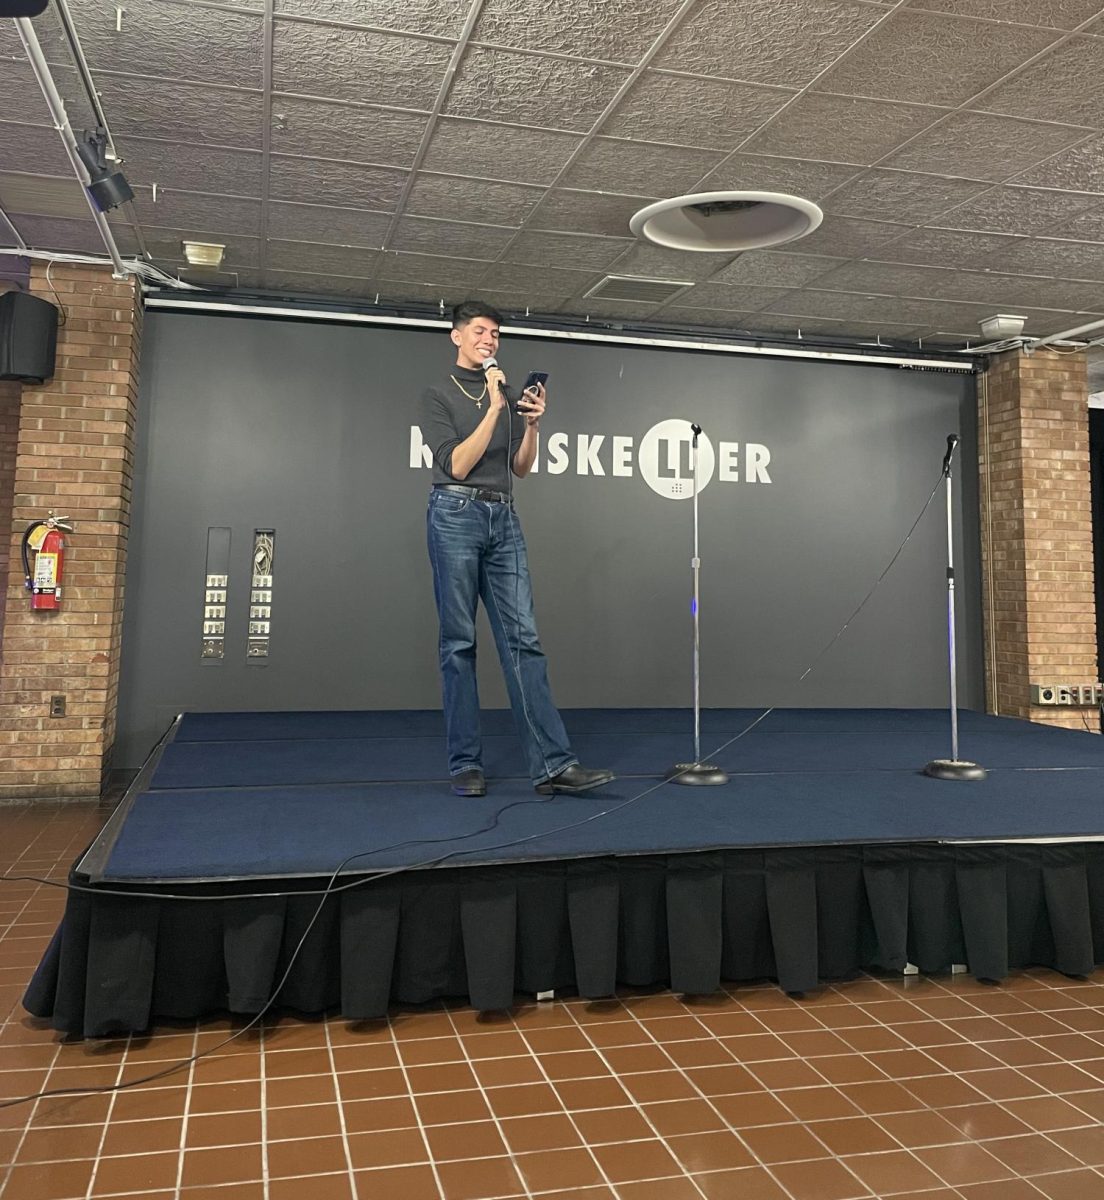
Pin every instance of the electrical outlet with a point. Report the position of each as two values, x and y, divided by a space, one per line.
1080 695
57 706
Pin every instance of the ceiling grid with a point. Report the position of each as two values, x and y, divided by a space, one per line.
435 149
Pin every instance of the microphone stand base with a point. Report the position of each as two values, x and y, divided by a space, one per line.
950 768
696 774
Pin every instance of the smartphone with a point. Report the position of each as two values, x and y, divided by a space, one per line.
531 381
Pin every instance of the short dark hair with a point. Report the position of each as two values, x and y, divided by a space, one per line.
470 309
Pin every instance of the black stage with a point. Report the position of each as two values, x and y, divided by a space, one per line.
827 852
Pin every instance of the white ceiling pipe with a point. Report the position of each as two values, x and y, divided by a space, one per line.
61 124
1036 343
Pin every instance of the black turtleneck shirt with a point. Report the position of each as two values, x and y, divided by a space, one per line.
448 417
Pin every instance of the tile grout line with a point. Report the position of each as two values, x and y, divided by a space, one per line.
633 1102
701 1095
107 1120
262 1072
490 1107
340 1117
414 1106
186 1112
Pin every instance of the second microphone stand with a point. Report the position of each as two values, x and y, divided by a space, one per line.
953 767
696 773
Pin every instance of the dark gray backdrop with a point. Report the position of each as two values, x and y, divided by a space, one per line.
306 428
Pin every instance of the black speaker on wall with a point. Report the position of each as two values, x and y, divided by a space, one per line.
28 337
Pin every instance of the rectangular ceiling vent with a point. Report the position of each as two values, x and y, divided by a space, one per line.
640 291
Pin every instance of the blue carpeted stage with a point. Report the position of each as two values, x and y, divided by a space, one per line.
828 851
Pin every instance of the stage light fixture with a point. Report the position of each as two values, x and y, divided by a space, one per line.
108 188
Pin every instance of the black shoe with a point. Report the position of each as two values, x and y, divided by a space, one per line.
469 783
573 779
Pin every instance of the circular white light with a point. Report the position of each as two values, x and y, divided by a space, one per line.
720 221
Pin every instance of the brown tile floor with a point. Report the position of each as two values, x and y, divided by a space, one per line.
943 1089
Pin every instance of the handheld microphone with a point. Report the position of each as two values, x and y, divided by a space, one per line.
487 364
952 442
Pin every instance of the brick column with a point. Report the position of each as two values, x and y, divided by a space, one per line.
74 456
10 395
1036 525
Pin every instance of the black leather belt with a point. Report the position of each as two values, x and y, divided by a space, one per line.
476 493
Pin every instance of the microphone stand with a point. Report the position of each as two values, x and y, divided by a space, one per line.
953 767
696 773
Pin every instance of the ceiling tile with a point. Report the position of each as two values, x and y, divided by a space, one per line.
350 132
1079 169
776 269
46 196
850 237
1054 14
395 291
614 30
439 270
866 332
520 304
951 248
549 281
979 146
988 288
658 262
794 176
587 212
193 168
186 112
844 306
494 151
563 250
1069 260
429 236
904 196
34 149
176 41
358 64
933 58
191 210
21 98
1087 226
525 89
80 236
321 259
320 223
642 168
693 112
1014 293
608 310
744 297
1064 85
841 129
1019 210
444 18
726 39
478 200
307 283
715 319
344 185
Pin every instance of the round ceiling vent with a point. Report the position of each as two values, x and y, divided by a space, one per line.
726 220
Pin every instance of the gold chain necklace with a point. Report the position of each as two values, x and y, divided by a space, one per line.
478 399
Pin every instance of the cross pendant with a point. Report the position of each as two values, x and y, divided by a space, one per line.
479 405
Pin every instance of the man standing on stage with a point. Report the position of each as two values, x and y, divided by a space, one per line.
477 550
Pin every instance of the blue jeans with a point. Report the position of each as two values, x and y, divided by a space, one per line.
477 550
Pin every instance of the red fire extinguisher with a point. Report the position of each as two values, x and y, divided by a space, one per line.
44 540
